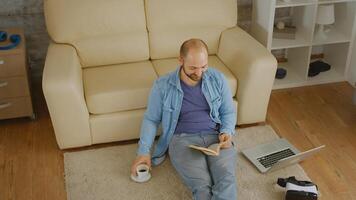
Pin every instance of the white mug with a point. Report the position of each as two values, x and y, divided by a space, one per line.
143 173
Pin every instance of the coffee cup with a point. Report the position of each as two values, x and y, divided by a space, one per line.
143 173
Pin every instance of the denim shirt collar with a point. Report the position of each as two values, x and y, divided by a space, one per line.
175 79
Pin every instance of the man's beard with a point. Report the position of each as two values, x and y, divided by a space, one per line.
193 77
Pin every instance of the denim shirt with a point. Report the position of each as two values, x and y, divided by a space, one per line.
164 105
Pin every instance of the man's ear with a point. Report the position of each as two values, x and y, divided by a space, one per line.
181 60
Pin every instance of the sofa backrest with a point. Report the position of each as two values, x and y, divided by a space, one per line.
102 31
171 22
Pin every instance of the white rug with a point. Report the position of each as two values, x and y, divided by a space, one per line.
104 174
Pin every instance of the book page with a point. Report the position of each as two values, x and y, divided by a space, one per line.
212 150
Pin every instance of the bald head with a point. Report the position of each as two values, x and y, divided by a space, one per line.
196 45
193 59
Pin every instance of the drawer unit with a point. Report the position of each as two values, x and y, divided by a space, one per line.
15 96
12 65
13 87
15 107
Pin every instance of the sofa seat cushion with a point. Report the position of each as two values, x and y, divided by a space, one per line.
120 87
164 66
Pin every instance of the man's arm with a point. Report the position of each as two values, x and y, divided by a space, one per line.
227 109
151 120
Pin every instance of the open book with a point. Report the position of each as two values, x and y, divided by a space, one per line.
212 150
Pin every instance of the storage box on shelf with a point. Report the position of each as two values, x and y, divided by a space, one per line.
303 14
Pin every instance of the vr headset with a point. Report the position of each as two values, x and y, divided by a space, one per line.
298 190
15 40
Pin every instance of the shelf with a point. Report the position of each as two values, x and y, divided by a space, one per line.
326 77
292 79
293 3
288 43
333 36
334 1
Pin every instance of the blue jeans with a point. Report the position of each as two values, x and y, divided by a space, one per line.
208 177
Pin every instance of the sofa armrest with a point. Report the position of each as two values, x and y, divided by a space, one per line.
63 90
254 67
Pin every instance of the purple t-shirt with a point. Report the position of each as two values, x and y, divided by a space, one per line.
194 115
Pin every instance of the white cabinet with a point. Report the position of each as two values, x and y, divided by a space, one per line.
336 48
351 75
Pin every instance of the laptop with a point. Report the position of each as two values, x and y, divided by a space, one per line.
276 155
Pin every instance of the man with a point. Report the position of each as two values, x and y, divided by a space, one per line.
194 105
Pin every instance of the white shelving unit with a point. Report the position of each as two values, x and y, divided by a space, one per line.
351 74
336 48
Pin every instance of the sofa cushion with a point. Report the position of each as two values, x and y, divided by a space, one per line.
164 66
166 43
103 32
116 126
120 87
120 126
171 22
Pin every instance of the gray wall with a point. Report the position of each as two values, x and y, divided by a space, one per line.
29 15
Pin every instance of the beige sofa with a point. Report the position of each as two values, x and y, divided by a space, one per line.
105 55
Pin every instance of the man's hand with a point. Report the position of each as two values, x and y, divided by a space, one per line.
141 159
225 140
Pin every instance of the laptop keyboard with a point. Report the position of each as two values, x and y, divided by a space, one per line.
271 159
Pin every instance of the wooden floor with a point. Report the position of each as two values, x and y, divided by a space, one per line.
31 165
312 116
